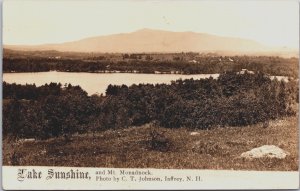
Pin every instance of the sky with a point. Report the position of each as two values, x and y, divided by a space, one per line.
29 22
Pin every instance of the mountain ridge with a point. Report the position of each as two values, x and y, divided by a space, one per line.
152 40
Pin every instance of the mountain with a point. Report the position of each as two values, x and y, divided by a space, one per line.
147 40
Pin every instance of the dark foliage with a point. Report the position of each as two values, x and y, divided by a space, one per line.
159 142
231 100
144 63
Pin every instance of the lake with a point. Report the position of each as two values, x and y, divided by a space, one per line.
96 83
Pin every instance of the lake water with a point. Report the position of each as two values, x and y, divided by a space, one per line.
96 83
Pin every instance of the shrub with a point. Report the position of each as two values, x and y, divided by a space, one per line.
158 141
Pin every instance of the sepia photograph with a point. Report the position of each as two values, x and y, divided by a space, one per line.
134 85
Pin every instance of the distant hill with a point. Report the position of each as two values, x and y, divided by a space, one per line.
147 40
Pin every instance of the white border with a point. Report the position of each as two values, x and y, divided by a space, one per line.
209 179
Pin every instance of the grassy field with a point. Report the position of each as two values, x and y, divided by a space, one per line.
149 147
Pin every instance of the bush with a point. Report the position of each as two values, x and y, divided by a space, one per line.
158 141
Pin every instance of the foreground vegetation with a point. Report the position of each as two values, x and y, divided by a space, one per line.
233 99
149 146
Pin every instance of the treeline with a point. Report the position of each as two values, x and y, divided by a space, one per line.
231 100
199 65
46 111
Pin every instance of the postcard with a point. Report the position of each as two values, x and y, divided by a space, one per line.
150 94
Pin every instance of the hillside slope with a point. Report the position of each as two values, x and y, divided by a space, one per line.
147 40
